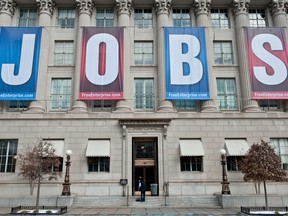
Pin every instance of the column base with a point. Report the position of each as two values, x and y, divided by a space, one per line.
122 106
79 106
36 107
251 106
166 106
208 106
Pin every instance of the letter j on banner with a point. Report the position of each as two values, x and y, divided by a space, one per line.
101 75
186 64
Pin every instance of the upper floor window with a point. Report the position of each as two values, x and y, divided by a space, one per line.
144 94
143 53
191 163
27 17
185 104
60 94
143 18
104 17
64 53
219 18
226 92
234 163
102 105
223 54
18 105
8 150
257 18
181 18
66 17
281 147
270 105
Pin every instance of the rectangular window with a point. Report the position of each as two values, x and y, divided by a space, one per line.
18 105
102 105
64 53
98 164
66 17
181 18
144 94
223 54
191 163
27 17
270 105
227 97
143 18
60 94
281 147
257 18
143 53
104 17
234 163
219 18
186 104
8 150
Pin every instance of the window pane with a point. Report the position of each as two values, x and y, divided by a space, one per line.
66 18
226 93
60 94
104 17
143 53
8 149
64 53
181 17
143 18
219 18
144 94
223 53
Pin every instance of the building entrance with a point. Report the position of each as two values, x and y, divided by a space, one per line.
145 164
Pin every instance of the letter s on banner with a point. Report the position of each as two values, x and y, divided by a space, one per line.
93 56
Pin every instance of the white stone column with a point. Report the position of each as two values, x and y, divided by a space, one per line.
240 9
85 9
202 10
278 10
163 8
124 8
46 8
7 9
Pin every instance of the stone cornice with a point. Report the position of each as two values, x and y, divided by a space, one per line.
124 6
162 6
202 6
7 6
46 6
240 6
85 6
278 7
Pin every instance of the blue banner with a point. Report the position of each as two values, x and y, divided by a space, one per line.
186 64
19 59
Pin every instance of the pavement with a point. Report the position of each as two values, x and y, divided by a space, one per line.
121 211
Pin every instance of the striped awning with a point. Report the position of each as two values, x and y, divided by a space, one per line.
191 147
98 148
236 147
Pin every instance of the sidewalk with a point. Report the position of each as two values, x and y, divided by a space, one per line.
169 211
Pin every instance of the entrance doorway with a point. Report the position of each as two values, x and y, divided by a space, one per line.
145 163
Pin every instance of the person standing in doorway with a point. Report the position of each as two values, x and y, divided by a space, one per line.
142 188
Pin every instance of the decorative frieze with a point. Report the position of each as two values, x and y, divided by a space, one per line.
7 6
85 6
163 6
124 6
46 6
240 6
278 7
202 6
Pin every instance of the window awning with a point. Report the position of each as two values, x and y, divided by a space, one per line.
191 148
98 148
58 145
236 147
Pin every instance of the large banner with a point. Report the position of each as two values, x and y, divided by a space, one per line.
101 73
267 56
19 59
186 64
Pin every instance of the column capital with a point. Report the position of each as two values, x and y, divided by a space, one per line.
278 7
85 6
46 6
240 6
7 6
124 6
163 6
201 6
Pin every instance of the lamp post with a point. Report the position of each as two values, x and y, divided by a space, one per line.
225 183
66 184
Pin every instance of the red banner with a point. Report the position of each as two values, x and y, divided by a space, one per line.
101 73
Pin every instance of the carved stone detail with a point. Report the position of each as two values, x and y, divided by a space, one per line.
7 6
148 122
240 6
46 6
85 6
124 6
202 6
278 7
163 6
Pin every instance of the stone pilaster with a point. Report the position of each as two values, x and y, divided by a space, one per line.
7 9
162 8
240 10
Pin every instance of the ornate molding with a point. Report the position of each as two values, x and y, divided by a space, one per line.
85 6
7 6
202 6
46 6
163 6
145 122
240 6
278 7
124 6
